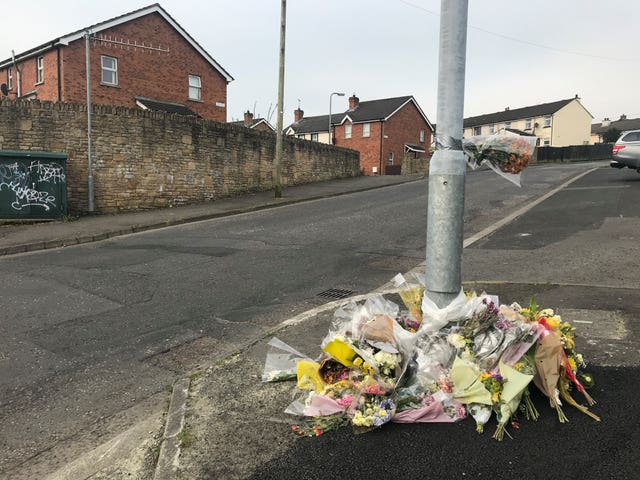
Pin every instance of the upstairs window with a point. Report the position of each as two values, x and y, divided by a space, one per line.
40 70
347 130
314 137
9 78
109 70
366 129
507 124
195 88
492 128
527 124
547 121
421 136
477 130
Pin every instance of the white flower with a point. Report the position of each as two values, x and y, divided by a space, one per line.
456 340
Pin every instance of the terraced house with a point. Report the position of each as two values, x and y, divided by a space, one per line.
142 59
557 124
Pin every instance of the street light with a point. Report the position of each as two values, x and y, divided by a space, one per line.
330 98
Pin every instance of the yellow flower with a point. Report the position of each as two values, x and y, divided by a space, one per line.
554 322
357 361
572 364
547 312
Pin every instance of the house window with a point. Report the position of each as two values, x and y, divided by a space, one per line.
492 128
195 88
40 70
477 130
314 137
347 130
421 136
109 70
301 135
507 124
366 129
547 121
546 141
390 161
527 124
9 78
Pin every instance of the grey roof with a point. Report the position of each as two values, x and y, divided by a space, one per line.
414 147
154 8
315 124
254 123
162 106
368 111
517 113
519 132
622 125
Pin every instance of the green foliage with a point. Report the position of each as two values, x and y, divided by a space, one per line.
611 135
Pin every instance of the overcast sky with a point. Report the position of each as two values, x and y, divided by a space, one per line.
519 53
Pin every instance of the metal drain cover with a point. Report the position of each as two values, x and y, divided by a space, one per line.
335 293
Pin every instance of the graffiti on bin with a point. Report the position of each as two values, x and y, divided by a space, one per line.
27 182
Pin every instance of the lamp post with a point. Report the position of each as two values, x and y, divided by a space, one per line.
331 98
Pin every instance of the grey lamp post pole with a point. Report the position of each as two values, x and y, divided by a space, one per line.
447 168
330 98
277 164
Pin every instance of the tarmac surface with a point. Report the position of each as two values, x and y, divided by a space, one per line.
224 423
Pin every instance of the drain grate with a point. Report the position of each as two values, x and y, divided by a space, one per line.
335 293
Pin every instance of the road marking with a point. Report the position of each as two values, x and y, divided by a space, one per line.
601 187
582 321
510 218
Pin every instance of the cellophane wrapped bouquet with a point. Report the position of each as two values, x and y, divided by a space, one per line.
506 154
382 362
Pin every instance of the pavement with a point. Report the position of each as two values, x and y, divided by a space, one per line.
224 423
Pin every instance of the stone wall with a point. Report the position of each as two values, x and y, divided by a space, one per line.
145 159
411 164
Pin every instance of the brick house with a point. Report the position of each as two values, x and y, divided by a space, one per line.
260 124
383 131
142 59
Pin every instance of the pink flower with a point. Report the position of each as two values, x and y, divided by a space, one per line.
346 401
374 390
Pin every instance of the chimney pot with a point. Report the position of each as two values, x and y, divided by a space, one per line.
353 102
248 118
506 109
298 114
623 117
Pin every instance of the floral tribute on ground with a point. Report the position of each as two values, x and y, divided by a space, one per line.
476 358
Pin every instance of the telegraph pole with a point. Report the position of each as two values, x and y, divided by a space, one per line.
447 168
90 202
277 164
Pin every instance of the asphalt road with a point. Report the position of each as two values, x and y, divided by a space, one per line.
94 330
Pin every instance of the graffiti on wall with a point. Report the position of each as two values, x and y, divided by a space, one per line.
31 184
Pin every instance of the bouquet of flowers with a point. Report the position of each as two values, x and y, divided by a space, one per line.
507 155
474 358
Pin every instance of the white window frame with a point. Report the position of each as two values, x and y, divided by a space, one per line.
314 137
546 142
421 136
527 124
39 70
111 70
366 129
347 130
195 89
507 124
301 136
390 159
477 131
547 121
10 78
492 128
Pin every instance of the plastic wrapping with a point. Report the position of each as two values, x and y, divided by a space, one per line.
507 155
281 362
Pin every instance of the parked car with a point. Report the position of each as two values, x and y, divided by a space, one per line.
626 151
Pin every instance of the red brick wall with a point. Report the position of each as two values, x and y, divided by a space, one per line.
47 89
403 126
144 73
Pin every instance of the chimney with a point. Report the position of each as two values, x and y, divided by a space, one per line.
353 102
606 122
298 114
506 109
623 117
248 118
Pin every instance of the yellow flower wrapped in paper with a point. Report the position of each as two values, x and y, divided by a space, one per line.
467 387
341 350
308 374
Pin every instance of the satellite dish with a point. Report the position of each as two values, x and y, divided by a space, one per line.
4 89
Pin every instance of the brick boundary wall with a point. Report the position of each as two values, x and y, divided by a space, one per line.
412 165
144 159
